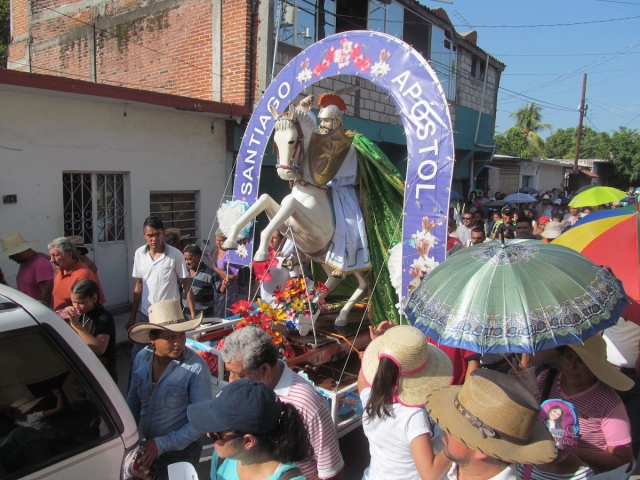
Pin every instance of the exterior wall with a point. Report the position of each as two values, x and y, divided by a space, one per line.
550 177
165 46
159 150
469 89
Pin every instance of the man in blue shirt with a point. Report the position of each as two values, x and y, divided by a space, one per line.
166 379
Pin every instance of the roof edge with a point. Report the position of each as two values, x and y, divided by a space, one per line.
82 87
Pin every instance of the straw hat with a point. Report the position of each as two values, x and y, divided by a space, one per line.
552 230
176 230
423 367
593 353
13 243
496 415
163 315
25 404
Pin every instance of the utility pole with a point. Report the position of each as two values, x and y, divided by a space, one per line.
574 182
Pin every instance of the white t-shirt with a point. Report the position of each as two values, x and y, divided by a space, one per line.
464 234
159 277
622 343
508 473
390 441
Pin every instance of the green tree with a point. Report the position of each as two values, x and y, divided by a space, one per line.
625 157
562 144
4 32
529 124
512 143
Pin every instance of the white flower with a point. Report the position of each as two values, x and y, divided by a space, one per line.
242 251
304 76
380 69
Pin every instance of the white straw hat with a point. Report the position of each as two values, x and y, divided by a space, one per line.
13 243
163 315
423 367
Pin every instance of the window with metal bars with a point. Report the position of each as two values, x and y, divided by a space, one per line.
177 210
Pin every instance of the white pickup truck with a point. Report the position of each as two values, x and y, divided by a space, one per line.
86 436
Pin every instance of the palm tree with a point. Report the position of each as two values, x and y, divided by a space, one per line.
528 120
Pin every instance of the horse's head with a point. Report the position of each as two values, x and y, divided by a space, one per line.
288 144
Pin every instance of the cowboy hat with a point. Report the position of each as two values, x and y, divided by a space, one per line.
176 230
423 367
496 415
25 404
13 243
593 353
78 241
163 315
552 230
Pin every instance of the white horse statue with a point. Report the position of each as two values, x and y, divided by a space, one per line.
305 215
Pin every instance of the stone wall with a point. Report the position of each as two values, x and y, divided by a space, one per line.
469 88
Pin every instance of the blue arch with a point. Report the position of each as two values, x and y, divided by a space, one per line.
393 66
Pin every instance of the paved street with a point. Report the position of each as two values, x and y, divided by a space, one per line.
354 445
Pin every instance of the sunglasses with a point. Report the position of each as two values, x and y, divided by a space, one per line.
467 218
224 437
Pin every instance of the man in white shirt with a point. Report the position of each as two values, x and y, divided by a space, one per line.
489 424
157 268
464 231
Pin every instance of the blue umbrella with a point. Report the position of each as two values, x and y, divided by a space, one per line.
455 195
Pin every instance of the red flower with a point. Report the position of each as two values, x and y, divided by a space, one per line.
317 70
241 306
325 64
366 65
355 52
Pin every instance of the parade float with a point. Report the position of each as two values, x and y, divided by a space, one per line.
349 211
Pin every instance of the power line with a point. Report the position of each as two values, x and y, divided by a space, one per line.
618 1
558 54
589 72
632 120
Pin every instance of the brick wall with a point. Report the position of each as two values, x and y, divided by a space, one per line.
163 46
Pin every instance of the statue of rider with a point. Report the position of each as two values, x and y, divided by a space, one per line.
349 250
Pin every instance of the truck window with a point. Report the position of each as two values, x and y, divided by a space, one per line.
47 411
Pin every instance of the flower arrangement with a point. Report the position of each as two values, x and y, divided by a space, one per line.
300 294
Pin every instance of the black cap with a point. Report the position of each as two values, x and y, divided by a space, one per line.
507 210
245 405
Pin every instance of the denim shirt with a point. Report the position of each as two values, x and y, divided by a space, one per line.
161 412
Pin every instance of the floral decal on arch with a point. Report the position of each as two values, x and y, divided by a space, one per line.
343 56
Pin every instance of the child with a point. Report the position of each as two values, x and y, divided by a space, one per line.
93 323
399 370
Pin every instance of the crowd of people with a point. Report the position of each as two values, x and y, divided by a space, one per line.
430 412
483 218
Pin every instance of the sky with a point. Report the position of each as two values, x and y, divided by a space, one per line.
546 63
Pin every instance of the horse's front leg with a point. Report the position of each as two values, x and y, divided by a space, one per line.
264 203
288 207
341 321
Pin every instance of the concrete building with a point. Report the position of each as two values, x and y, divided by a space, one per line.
507 174
223 50
80 158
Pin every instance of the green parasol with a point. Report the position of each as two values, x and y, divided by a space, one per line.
597 196
523 297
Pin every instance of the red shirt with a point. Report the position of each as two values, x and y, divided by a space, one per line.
459 357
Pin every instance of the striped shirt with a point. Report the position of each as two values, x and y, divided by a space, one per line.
584 473
602 415
327 460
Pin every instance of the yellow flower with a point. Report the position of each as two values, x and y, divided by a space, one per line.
297 304
263 306
278 315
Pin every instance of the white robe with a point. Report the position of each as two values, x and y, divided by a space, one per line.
349 250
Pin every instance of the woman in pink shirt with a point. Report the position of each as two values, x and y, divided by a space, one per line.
589 382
